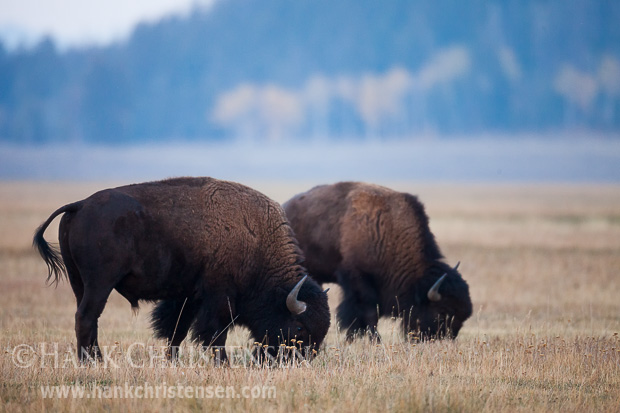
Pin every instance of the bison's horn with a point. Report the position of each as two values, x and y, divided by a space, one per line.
433 293
295 306
326 290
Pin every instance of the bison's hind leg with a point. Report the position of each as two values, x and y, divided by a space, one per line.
171 320
86 319
75 279
73 273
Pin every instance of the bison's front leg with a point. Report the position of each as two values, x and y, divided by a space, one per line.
358 318
358 311
211 328
171 320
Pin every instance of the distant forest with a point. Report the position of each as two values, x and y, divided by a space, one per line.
319 69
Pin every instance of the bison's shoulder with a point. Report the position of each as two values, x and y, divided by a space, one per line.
394 224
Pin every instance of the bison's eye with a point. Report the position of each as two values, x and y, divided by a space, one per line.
299 328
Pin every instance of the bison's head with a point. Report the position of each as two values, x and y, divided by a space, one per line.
441 304
299 318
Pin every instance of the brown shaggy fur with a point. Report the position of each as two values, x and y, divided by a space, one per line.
377 244
213 251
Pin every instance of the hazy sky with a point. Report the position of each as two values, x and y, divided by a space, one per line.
75 22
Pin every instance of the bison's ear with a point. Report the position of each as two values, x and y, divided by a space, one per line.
295 306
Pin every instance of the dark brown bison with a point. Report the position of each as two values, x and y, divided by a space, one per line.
212 251
376 243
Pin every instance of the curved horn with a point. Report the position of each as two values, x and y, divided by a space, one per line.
295 306
326 290
433 293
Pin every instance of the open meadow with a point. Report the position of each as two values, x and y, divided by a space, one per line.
542 263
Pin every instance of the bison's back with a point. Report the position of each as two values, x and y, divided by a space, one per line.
363 226
180 227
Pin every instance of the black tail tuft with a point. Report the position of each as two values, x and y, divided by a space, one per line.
55 265
51 256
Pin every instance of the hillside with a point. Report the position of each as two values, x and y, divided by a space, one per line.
315 69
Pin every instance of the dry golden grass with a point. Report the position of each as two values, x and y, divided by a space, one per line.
542 263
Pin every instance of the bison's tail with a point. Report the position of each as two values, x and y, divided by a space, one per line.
51 255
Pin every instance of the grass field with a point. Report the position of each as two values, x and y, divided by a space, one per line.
542 263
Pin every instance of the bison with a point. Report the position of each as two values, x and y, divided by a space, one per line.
376 243
214 253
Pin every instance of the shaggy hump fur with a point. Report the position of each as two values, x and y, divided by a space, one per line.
377 244
210 251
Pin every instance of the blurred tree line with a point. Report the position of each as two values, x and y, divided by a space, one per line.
303 68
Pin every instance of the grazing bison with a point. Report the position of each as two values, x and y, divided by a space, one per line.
376 243
212 251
